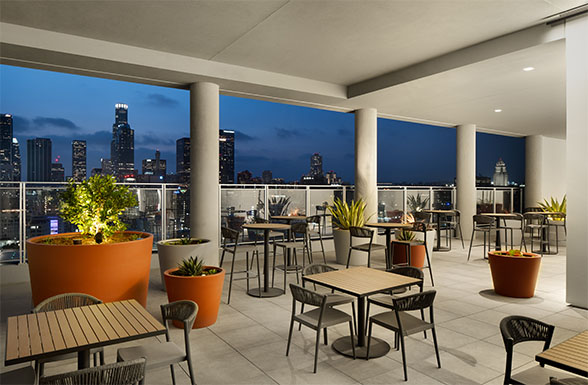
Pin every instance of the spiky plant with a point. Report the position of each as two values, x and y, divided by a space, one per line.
348 215
417 203
405 235
554 206
191 267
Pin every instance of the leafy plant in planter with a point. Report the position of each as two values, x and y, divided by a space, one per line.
193 267
95 206
554 206
417 203
405 235
185 241
278 205
348 215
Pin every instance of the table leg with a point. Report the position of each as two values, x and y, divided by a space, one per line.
388 248
439 247
498 240
267 291
83 359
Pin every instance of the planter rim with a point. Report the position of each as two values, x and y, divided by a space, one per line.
526 255
168 271
164 242
34 239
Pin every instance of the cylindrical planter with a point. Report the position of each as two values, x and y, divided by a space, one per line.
514 276
417 255
110 272
341 239
172 255
205 290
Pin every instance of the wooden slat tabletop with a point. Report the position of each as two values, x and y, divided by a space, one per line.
361 281
39 335
570 355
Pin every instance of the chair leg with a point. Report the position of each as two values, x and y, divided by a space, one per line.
247 267
369 341
191 372
258 272
354 316
231 279
171 368
316 346
352 341
423 318
461 235
367 310
326 336
301 311
290 335
471 241
322 246
403 357
273 265
429 263
286 268
348 257
222 258
436 347
296 265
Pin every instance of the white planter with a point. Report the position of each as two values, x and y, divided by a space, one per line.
171 255
431 240
341 240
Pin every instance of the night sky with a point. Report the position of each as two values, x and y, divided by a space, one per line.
268 136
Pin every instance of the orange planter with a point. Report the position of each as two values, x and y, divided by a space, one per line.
514 276
110 272
417 255
205 290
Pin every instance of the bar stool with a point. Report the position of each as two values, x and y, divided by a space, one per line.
486 225
537 222
453 223
558 220
363 232
315 220
230 245
295 242
521 221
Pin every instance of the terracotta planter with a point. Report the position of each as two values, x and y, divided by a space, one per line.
110 272
171 255
417 255
514 276
205 290
341 240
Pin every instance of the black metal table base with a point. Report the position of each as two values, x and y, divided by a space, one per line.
378 347
442 248
290 268
271 292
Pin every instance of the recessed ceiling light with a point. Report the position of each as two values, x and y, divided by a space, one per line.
527 69
498 110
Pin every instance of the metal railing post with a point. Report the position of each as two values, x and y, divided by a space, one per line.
494 200
430 197
22 221
308 208
404 198
163 206
512 200
266 202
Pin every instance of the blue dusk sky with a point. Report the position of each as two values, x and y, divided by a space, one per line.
268 136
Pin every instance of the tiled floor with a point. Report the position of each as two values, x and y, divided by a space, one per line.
248 342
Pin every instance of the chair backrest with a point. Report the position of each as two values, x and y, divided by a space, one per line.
517 328
410 271
314 219
416 301
420 227
533 209
299 228
531 217
307 296
317 268
66 301
483 220
120 373
361 232
230 235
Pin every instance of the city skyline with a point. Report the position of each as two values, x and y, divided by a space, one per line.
408 152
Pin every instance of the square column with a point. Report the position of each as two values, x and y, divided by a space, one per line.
577 160
204 165
466 176
366 160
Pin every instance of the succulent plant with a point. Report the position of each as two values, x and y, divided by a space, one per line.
193 267
417 203
554 206
348 215
405 235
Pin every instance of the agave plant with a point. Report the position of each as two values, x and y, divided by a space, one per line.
348 215
405 235
417 203
278 205
193 267
554 206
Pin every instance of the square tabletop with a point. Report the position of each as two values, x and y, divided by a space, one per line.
361 281
45 334
570 355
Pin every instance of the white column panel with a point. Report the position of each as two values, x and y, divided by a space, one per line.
466 175
533 167
366 159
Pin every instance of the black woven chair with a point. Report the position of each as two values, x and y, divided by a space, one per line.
230 245
61 302
120 373
451 222
167 353
364 233
404 324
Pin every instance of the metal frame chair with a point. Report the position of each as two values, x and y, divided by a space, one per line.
292 244
61 302
404 324
167 353
120 373
521 219
486 225
317 319
553 221
453 223
316 220
421 227
537 222
230 245
363 232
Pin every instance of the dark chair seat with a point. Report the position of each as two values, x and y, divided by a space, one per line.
366 247
330 317
410 323
156 355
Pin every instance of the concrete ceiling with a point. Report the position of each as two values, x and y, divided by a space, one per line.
310 52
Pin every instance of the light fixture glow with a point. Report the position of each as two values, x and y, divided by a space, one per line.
527 69
498 110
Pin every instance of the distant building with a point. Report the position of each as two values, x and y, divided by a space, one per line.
154 168
78 160
122 148
96 171
57 172
483 180
106 166
316 166
332 178
183 159
39 160
6 147
266 177
500 177
244 177
226 168
16 161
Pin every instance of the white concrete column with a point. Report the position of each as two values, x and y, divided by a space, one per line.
366 160
533 170
577 160
204 164
466 176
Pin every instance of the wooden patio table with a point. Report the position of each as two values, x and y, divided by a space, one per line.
41 335
570 355
388 227
361 282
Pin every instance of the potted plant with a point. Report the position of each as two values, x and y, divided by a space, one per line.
199 283
514 273
172 252
102 259
346 216
417 252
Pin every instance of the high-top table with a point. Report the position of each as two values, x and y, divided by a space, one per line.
388 227
570 355
267 291
42 335
361 282
438 214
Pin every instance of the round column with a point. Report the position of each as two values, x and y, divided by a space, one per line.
533 167
204 167
466 176
366 159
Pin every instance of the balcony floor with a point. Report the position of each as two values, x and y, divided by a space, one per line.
248 342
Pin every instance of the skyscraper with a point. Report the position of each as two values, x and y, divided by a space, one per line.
16 161
266 176
5 147
57 172
155 167
316 166
78 160
106 166
500 177
183 159
39 160
226 156
122 148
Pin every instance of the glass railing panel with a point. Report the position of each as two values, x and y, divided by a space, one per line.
319 199
518 200
390 204
146 216
9 223
503 200
42 210
443 199
241 205
286 200
417 200
485 200
177 212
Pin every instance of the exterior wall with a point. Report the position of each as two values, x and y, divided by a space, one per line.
545 169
